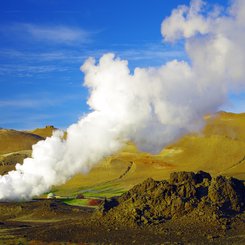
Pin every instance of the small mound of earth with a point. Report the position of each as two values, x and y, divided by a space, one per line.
198 194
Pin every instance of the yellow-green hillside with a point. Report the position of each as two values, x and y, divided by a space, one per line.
12 140
44 132
219 149
14 147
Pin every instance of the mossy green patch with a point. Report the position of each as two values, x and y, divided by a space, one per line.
77 202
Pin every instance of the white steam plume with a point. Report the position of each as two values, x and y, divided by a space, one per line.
152 106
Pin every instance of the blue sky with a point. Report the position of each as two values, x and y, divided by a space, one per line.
44 43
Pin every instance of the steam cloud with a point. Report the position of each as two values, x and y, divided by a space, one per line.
152 106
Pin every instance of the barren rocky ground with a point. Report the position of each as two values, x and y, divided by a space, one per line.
189 209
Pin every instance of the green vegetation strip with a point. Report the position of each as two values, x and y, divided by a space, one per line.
107 190
77 202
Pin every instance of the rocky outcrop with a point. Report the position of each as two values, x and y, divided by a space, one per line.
153 202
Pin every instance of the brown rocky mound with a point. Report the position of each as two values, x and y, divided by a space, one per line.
154 202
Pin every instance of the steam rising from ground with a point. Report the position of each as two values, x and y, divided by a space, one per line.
151 106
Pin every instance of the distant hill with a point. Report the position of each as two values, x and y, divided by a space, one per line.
44 132
226 124
13 140
220 148
15 145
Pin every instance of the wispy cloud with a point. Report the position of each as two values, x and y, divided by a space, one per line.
149 52
38 100
57 34
24 121
26 103
23 63
30 120
139 52
25 112
29 70
54 55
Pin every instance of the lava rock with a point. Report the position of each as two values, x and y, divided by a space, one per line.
154 202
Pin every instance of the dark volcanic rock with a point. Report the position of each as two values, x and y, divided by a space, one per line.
107 205
153 202
227 193
182 177
200 176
